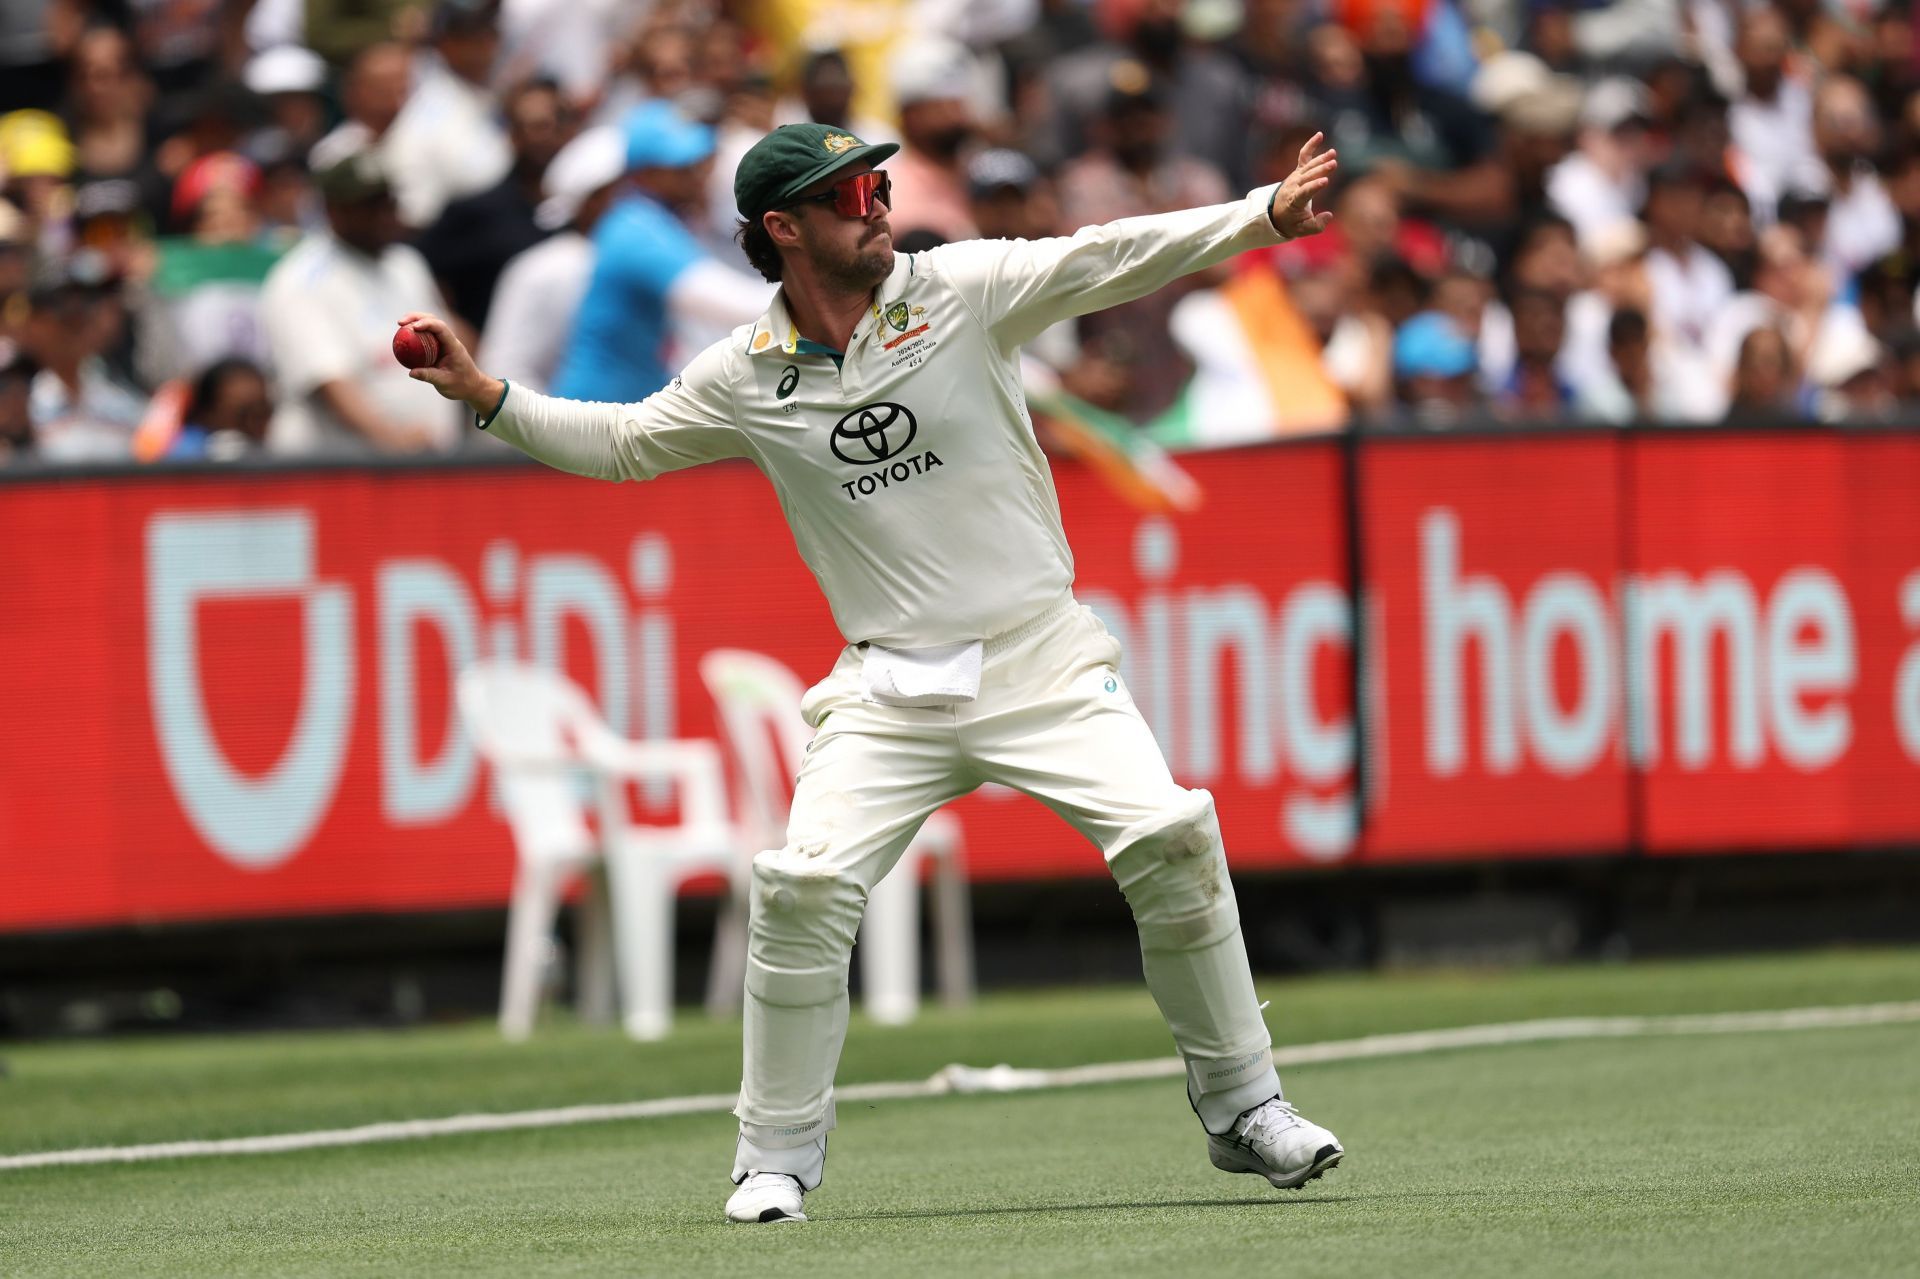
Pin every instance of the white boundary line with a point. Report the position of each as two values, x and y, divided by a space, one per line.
971 1079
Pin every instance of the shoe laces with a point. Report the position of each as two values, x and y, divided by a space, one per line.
769 1181
1266 1121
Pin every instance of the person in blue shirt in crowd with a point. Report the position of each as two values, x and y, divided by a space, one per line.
656 296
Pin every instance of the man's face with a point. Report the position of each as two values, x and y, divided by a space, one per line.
65 326
1463 299
1726 225
1631 358
828 92
302 115
104 81
241 404
1369 217
1539 325
369 226
1000 213
1782 270
1139 131
855 253
683 190
1903 187
16 422
536 128
666 59
1550 262
16 266
1760 377
1675 209
471 54
1762 50
937 127
377 87
1844 127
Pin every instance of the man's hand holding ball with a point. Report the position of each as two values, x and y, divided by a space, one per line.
427 345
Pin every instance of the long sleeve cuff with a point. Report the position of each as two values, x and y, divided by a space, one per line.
482 423
1261 200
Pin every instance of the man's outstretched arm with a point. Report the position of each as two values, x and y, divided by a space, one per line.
1019 287
681 425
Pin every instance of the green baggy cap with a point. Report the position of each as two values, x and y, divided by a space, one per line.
792 158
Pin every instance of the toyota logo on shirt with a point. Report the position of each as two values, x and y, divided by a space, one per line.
874 433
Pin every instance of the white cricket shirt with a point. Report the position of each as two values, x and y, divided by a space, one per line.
909 472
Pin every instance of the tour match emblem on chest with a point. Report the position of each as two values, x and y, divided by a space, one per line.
899 316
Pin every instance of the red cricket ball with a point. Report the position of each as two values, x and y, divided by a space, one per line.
416 348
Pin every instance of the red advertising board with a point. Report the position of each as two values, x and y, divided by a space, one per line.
229 695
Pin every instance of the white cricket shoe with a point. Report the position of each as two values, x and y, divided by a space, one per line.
1273 1141
767 1196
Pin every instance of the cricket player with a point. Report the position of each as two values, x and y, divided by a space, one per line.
880 394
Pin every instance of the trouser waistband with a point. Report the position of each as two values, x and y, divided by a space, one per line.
1029 628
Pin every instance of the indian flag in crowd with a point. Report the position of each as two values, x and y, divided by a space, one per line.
1258 371
1119 452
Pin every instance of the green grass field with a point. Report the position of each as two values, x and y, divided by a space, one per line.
1781 1153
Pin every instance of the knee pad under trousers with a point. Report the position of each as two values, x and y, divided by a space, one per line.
1173 870
800 935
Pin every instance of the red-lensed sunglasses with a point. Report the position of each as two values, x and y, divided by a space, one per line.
853 197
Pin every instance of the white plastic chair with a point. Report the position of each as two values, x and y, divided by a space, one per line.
540 731
758 700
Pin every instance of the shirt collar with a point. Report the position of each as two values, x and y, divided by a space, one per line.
774 333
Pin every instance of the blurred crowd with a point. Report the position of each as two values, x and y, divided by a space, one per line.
214 212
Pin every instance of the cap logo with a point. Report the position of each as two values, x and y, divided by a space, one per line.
835 143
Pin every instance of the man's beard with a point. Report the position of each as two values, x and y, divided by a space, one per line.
855 270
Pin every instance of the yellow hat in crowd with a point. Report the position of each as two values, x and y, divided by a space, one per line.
34 144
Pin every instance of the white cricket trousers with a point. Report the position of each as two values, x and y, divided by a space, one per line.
1054 720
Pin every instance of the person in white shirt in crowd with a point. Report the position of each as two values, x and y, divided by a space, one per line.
880 395
933 82
81 412
1623 392
449 140
1771 123
293 81
1847 370
1604 181
1862 223
745 118
330 307
1680 386
1690 284
1765 381
571 42
372 93
540 290
1793 291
